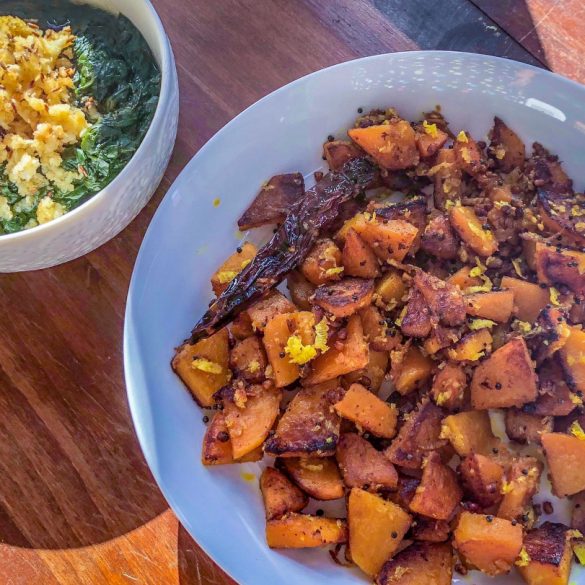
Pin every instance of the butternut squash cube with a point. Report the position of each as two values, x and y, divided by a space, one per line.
317 476
304 531
565 455
470 229
232 267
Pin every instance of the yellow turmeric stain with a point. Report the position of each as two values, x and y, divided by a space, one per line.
246 476
216 202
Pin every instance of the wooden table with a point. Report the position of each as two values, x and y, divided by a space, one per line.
77 502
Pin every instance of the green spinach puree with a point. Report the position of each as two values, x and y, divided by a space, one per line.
114 67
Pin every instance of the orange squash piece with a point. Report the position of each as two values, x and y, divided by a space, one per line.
411 370
304 531
217 447
482 479
529 298
463 279
565 455
232 267
280 495
470 432
262 311
358 258
472 347
494 305
368 412
323 263
471 231
373 374
522 478
560 265
204 366
448 389
573 359
317 476
389 239
392 146
390 288
376 528
490 544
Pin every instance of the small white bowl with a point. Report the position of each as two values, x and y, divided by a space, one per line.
110 210
189 237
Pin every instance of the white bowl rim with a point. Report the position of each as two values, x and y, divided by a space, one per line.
132 390
165 89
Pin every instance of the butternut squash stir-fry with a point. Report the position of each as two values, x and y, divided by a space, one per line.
443 279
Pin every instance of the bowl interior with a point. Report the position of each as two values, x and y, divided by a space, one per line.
189 238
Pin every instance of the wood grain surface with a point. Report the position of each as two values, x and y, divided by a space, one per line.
77 502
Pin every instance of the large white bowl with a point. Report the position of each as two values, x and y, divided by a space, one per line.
110 210
189 237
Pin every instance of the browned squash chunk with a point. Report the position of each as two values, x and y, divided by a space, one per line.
526 428
439 240
419 564
472 347
204 366
445 300
410 369
482 479
463 279
354 355
278 334
338 152
441 338
323 263
411 209
554 332
470 229
548 555
346 297
217 447
529 298
389 239
376 330
373 374
308 426
555 265
248 359
520 484
490 544
368 412
554 398
447 178
468 154
390 288
363 466
573 359
439 493
249 416
304 531
392 146
416 320
280 495
507 147
358 258
417 437
504 379
274 201
557 212
429 139
495 305
317 476
470 432
241 326
232 267
449 384
429 530
565 455
262 311
373 522
301 290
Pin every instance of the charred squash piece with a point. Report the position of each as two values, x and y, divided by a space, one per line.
372 522
232 266
445 300
468 154
368 411
470 432
420 564
354 355
274 201
241 326
529 298
490 544
494 305
248 359
554 398
429 530
548 555
439 240
339 152
482 479
439 493
262 311
418 436
547 170
560 265
562 213
293 240
470 229
363 466
565 455
507 147
304 531
358 258
410 369
217 447
317 476
280 495
301 290
416 321
523 427
346 297
323 263
308 426
505 379
392 146
448 389
249 417
204 366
